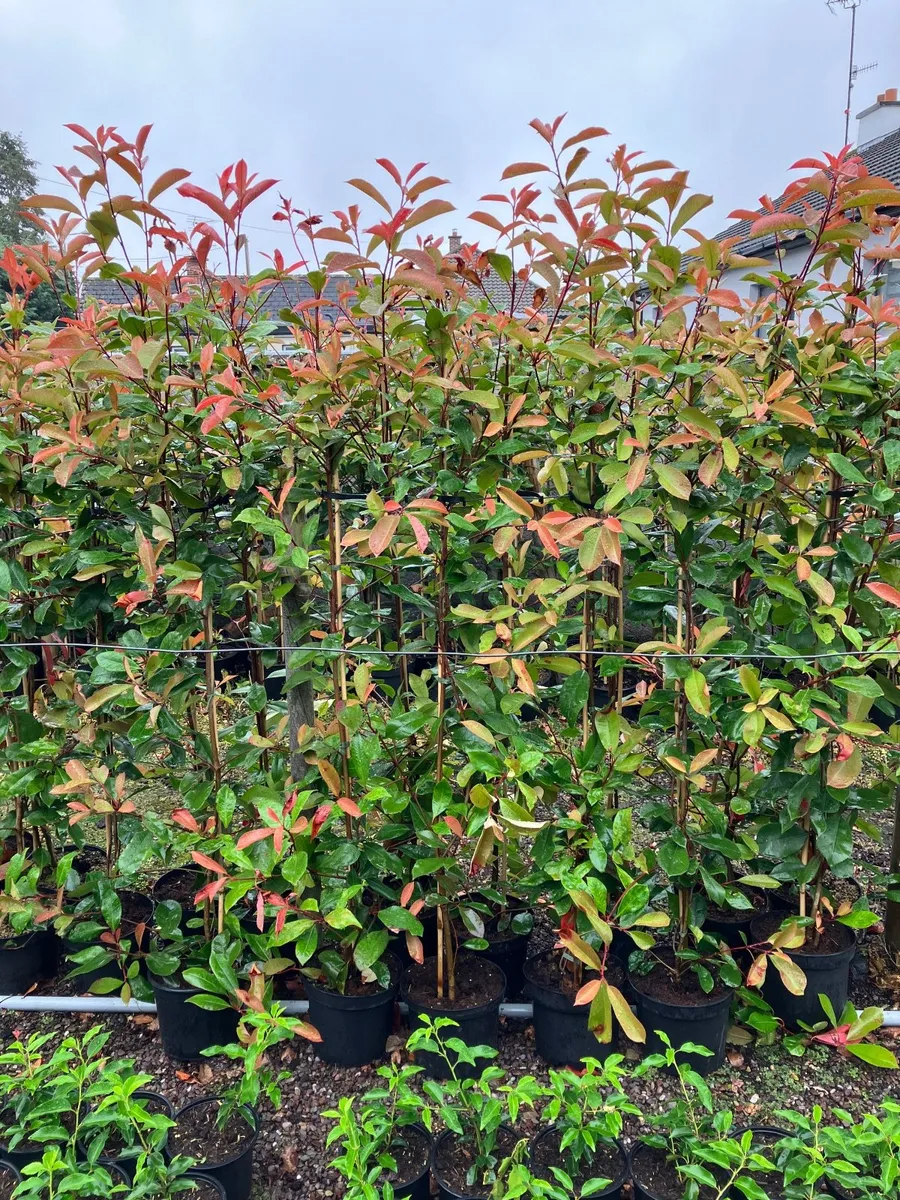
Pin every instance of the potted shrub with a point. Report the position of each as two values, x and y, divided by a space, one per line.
352 980
387 1140
105 936
479 1132
579 1151
126 1124
578 987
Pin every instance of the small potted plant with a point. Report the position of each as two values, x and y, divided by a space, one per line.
126 1124
693 1147
57 1173
220 1132
479 1134
105 935
386 1141
579 1151
28 944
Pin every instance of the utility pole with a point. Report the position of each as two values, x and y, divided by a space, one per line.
852 69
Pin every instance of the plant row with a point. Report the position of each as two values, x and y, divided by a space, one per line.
580 601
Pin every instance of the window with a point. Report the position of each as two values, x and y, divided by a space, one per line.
891 289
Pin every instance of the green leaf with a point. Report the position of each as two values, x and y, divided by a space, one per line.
845 468
226 801
891 451
396 917
573 695
673 858
697 691
675 482
370 948
873 1054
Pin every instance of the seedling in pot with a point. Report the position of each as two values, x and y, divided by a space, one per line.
385 1138
580 1153
57 1174
476 1113
695 1146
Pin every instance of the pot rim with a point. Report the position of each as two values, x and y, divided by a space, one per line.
811 956
633 1151
210 1180
255 1123
336 999
5 1165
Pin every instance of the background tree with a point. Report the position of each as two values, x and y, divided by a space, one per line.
18 180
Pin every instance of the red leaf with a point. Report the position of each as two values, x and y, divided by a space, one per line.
251 836
420 532
192 192
414 948
186 820
454 826
588 992
885 592
523 168
203 860
348 806
406 894
319 818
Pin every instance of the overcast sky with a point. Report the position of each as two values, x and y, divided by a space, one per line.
311 93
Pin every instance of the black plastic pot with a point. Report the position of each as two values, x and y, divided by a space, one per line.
186 1030
128 1164
561 1034
705 1023
26 960
826 973
729 926
614 1189
479 1026
354 1029
10 1172
445 1191
235 1174
510 955
634 1161
209 1180
420 1187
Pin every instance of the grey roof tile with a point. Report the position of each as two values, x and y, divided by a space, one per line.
881 157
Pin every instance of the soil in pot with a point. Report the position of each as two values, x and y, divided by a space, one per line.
680 1008
411 1150
455 1156
509 950
655 1177
9 1180
826 964
561 1032
205 1188
186 1030
480 985
356 1023
181 884
224 1153
609 1161
729 923
27 959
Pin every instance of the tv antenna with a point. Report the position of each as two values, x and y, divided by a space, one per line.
852 69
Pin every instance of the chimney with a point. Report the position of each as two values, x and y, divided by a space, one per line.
455 242
879 119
